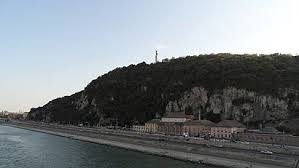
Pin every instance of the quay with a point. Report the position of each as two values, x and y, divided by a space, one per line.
218 153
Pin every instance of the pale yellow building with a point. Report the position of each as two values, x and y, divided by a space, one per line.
171 128
152 126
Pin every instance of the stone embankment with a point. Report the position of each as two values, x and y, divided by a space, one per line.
202 153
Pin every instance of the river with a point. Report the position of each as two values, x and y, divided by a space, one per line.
21 148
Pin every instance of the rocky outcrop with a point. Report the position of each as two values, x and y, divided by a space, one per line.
196 98
82 102
233 103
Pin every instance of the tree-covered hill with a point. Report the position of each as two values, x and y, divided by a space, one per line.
138 93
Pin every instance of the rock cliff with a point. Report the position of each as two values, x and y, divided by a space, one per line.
237 104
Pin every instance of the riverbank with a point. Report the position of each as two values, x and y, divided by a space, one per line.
198 154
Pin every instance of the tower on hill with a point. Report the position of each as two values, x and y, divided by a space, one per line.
156 57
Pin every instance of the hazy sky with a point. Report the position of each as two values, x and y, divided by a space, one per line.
52 48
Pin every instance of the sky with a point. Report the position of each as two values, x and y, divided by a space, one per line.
54 48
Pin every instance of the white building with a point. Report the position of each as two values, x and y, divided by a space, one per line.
138 128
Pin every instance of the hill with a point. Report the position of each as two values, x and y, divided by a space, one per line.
249 88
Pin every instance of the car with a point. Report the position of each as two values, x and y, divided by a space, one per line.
185 134
266 152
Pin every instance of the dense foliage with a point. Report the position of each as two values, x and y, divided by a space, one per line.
139 92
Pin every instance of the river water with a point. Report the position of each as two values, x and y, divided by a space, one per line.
27 149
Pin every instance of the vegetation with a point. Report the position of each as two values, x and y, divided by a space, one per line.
139 92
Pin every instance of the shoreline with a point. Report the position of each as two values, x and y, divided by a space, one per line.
174 154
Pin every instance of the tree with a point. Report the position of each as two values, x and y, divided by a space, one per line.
188 110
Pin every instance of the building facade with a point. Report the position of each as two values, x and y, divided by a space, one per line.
266 137
172 123
152 126
138 128
170 128
201 128
226 129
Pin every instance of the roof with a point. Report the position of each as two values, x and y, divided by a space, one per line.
269 129
200 122
171 123
230 123
178 115
153 121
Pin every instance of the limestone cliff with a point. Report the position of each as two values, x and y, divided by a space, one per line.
238 104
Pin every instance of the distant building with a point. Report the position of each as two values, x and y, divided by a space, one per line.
4 114
226 128
15 116
25 114
170 128
266 136
200 128
138 128
172 123
177 117
152 126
